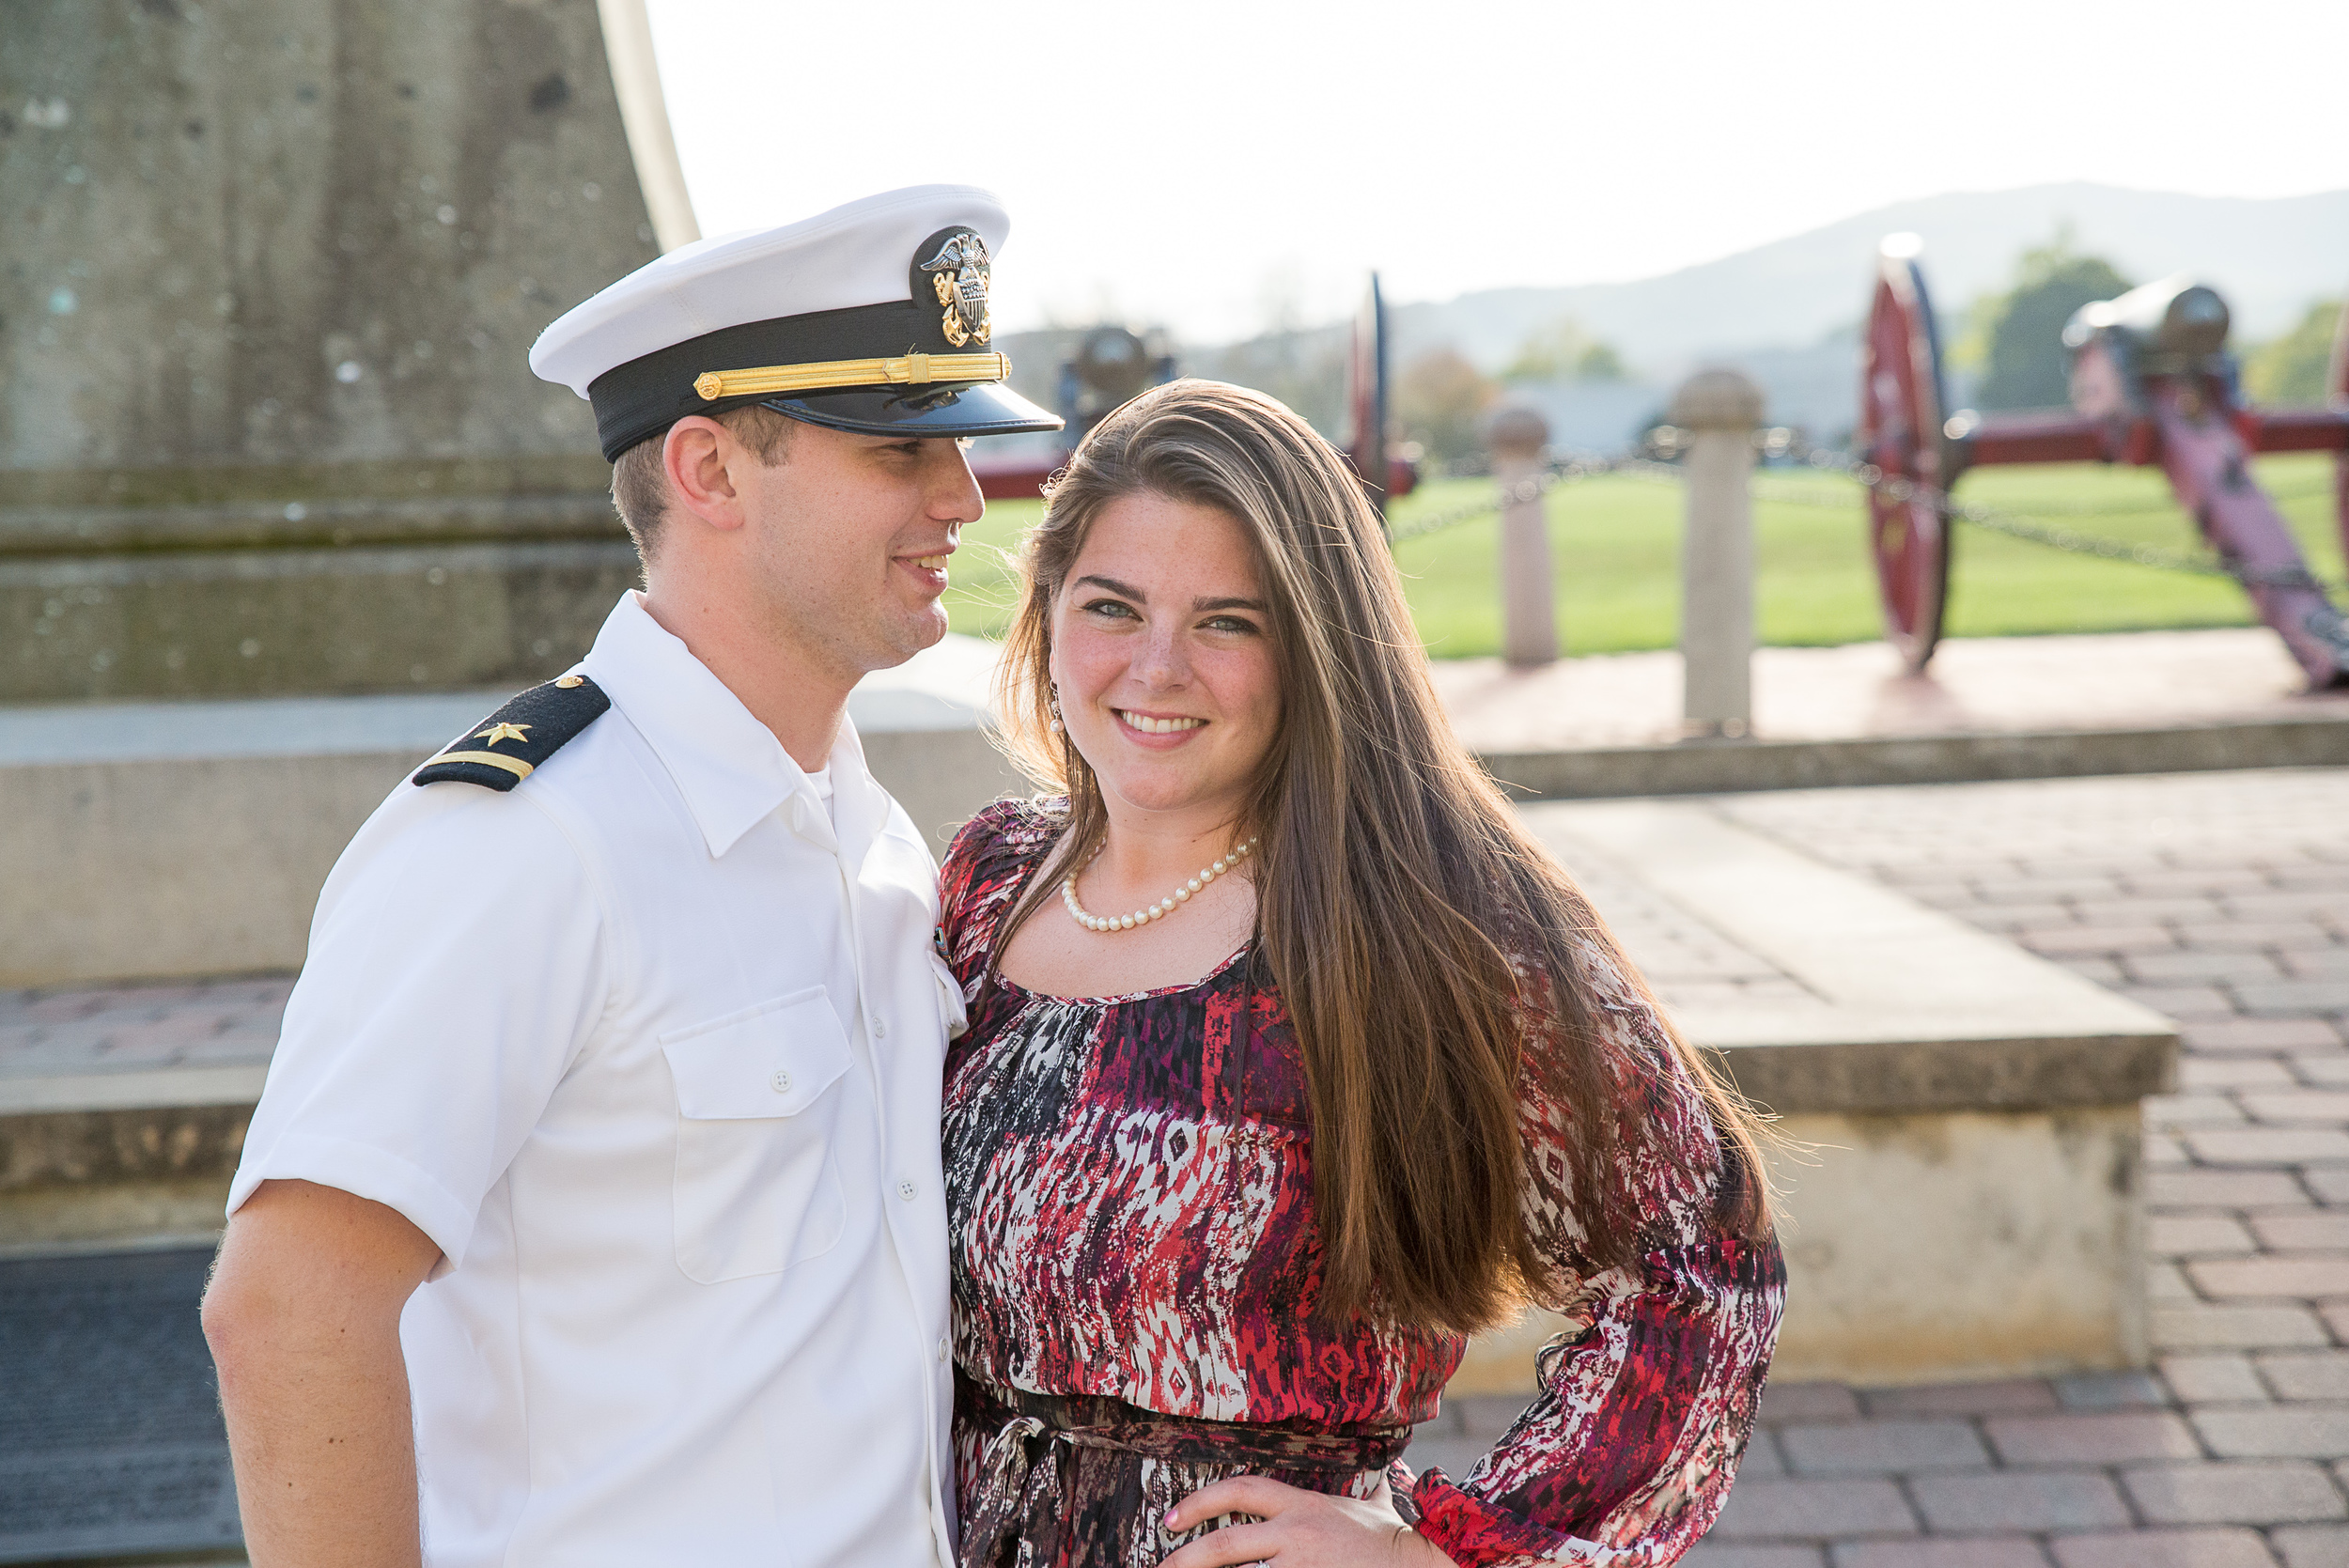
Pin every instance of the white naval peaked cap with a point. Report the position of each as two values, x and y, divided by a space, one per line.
872 317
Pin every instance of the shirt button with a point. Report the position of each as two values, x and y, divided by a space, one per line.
881 1029
904 1190
941 1347
781 1080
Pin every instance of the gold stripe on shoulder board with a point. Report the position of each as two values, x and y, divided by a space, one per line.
515 766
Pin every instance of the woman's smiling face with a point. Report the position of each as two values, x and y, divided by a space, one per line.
1162 652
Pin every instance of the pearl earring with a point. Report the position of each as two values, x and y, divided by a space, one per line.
1054 704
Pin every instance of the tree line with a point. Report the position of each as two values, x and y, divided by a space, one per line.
2014 341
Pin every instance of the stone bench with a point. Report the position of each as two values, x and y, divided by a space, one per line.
158 840
1960 1121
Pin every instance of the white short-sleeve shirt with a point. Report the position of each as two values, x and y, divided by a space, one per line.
650 1048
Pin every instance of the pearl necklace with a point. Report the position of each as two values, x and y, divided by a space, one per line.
1160 910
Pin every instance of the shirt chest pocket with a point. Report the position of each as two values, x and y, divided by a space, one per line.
757 1102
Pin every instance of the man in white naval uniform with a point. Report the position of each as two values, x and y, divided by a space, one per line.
592 1214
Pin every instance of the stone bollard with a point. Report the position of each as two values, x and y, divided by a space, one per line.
1529 616
1720 409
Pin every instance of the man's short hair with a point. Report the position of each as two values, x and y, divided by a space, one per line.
640 484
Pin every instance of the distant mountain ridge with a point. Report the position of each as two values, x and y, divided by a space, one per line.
2268 257
1788 312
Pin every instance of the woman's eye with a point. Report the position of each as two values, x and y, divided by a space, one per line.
1228 623
1114 609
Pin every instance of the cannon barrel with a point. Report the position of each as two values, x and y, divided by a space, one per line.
2174 317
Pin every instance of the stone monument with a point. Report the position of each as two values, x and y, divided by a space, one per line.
266 423
270 447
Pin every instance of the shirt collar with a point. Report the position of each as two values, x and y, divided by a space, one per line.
730 767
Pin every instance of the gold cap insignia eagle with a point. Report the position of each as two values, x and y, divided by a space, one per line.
959 274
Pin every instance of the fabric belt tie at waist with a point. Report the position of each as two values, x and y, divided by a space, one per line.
1025 1490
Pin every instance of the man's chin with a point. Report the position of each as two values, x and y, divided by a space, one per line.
911 637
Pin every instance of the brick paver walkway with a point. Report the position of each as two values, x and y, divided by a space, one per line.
2222 900
107 1028
2123 680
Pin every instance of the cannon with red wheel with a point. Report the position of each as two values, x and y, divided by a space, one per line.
2152 384
1113 365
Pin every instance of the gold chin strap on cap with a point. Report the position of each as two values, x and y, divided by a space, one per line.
911 371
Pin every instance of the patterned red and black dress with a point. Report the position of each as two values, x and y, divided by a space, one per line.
1129 1189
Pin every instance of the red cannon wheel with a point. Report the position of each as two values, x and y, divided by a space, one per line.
1368 395
2336 385
1901 416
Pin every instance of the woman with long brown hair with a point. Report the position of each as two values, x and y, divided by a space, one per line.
1293 1061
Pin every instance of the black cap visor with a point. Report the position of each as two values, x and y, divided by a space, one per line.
949 409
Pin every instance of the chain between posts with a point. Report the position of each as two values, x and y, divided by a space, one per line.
2015 527
1870 476
1524 489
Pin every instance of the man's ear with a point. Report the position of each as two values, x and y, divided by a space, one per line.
701 459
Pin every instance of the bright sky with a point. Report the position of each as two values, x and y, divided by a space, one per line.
1217 166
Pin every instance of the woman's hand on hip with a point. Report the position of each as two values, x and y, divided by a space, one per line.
1297 1529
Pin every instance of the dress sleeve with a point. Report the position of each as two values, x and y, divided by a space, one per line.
1646 1401
984 871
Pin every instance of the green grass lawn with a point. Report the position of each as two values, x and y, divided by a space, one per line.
1616 542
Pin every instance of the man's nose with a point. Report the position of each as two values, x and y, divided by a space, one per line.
952 489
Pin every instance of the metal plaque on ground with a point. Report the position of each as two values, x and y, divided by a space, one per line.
111 1443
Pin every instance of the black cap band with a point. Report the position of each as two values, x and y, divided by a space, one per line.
644 396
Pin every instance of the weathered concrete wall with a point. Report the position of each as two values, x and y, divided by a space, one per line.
428 617
1933 1247
136 1174
187 866
44 1220
1970 1207
272 274
297 231
129 851
1937 1248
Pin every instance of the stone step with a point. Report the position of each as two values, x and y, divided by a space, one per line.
163 840
123 1109
1959 1120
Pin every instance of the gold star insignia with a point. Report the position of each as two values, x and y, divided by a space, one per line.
498 732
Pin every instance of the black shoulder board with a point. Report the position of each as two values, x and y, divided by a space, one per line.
508 747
